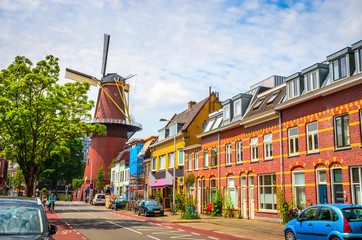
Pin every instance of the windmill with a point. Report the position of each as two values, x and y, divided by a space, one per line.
112 110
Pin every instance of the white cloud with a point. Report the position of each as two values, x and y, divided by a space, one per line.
179 48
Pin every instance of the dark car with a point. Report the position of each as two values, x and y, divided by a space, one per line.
327 221
24 218
150 207
119 203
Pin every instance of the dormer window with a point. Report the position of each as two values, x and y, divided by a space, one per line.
163 133
173 129
360 59
226 111
339 68
311 81
237 107
293 88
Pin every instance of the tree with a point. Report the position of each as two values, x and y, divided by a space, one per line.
77 183
36 113
18 180
190 179
100 178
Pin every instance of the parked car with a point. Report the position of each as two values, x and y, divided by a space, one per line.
99 199
24 218
119 203
326 221
150 207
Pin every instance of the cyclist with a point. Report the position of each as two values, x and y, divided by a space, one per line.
51 201
44 198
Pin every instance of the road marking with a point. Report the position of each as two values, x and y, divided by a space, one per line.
130 229
214 238
153 237
195 234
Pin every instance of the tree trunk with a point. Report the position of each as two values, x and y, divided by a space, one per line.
29 182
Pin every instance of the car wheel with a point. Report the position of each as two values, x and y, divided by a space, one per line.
139 213
289 235
335 238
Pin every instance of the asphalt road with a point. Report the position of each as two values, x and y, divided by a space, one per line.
98 223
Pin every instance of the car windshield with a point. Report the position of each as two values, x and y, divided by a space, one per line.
100 196
352 214
120 199
152 202
18 220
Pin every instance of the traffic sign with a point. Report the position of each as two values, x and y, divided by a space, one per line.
112 189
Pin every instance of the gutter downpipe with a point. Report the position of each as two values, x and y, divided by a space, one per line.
218 156
281 148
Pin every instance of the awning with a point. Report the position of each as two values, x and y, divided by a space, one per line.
159 184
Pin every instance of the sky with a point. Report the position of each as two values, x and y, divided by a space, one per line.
178 49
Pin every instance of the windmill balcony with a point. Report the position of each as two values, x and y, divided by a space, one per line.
115 121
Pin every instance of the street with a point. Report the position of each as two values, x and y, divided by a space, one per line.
97 222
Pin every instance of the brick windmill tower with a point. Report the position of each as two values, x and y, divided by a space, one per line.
112 110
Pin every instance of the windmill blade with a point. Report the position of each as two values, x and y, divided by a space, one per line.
105 54
80 77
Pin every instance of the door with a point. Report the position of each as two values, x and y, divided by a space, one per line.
323 194
251 196
198 196
243 196
325 223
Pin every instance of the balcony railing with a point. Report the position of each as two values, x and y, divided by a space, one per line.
115 121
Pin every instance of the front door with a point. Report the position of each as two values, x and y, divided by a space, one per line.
198 196
323 194
251 196
243 196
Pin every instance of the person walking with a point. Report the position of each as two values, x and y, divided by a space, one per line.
44 198
51 201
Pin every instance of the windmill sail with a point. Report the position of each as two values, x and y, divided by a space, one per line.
80 77
105 54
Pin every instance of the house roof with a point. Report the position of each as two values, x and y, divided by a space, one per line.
266 101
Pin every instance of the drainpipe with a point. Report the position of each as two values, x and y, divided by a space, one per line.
281 149
218 157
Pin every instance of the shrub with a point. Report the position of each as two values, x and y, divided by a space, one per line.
228 213
286 209
217 205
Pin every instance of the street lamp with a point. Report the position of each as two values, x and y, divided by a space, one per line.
174 164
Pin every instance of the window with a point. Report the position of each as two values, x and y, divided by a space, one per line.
171 160
360 59
309 214
154 164
268 146
311 81
162 163
339 68
257 105
293 88
299 189
197 161
181 157
173 129
293 141
337 186
213 189
312 137
271 99
213 157
356 185
237 107
209 125
342 131
228 154
267 196
161 134
239 152
231 191
226 111
206 158
190 161
254 149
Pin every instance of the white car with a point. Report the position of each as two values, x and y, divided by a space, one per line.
99 199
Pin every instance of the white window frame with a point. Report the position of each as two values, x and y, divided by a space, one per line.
356 184
254 151
268 146
346 139
312 134
234 189
261 187
293 142
334 184
239 151
237 109
295 186
228 154
226 112
312 79
206 159
196 160
154 164
171 160
292 87
181 157
189 156
339 68
162 162
161 134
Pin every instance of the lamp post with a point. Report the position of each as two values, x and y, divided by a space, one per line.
174 164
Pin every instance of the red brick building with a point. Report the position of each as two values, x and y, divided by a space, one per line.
303 136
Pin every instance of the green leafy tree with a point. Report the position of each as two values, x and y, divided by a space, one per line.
37 113
77 183
18 180
217 205
100 178
190 179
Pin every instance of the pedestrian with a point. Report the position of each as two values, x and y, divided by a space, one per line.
44 198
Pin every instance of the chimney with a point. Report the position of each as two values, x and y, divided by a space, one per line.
191 104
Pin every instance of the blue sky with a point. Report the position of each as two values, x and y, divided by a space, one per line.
179 49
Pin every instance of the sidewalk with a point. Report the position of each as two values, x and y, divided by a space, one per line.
252 229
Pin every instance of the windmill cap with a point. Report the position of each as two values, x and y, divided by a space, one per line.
109 78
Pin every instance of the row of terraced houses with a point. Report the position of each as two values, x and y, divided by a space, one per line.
301 133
